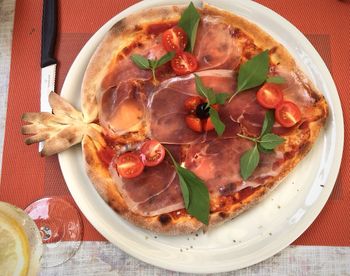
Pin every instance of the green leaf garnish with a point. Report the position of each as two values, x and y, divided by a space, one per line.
198 204
276 79
151 64
265 143
262 150
203 91
249 161
140 61
194 192
184 187
269 141
222 98
215 119
164 59
254 72
189 23
269 120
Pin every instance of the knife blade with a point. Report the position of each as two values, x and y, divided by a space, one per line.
48 61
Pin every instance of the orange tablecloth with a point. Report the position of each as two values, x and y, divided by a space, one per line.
27 177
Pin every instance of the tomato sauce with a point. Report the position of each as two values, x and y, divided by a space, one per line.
227 201
106 155
158 28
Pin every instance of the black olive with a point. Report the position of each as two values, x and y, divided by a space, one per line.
202 111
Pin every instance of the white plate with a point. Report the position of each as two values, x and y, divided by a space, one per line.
258 233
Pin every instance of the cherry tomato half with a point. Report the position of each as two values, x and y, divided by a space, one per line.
152 153
208 125
192 102
129 165
269 95
287 114
174 39
184 63
194 123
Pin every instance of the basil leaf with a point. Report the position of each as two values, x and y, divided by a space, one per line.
198 205
140 61
276 79
194 192
249 161
153 63
262 150
200 202
189 23
254 72
269 120
203 91
215 119
221 98
270 141
164 59
184 189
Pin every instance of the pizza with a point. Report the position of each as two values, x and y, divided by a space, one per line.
190 116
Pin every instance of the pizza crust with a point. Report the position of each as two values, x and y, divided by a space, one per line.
123 34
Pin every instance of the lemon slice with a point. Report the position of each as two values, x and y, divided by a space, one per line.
14 247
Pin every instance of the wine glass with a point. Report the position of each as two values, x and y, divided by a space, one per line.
60 226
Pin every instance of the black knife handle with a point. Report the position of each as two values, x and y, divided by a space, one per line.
48 33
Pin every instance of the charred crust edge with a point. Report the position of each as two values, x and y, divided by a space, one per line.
164 219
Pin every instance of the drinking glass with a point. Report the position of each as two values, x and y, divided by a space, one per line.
60 226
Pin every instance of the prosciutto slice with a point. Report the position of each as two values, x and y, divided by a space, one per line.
123 108
166 201
167 120
154 192
217 164
122 96
244 110
215 47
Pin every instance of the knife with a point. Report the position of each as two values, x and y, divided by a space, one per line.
48 61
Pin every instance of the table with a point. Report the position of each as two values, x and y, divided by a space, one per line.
103 258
